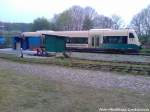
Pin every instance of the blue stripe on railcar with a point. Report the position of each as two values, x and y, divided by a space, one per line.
121 47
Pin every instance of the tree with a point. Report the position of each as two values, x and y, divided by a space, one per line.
117 22
75 18
141 23
101 21
136 24
89 15
40 24
71 19
78 18
15 26
64 21
87 23
77 15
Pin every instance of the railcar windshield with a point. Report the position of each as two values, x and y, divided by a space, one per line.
131 35
115 40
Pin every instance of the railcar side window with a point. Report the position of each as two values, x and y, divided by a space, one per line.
115 39
68 40
77 40
131 35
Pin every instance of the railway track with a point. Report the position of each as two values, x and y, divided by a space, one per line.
133 69
109 52
142 54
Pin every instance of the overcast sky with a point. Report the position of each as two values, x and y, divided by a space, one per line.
27 10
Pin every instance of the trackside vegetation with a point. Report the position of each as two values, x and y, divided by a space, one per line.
135 68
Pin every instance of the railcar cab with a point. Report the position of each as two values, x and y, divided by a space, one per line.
115 40
133 41
133 38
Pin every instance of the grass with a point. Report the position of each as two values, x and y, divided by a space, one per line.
135 68
28 93
145 50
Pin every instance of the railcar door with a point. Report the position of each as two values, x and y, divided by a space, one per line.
96 41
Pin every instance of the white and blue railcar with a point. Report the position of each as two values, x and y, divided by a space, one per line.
125 40
94 40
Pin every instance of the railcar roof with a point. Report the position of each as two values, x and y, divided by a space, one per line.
69 33
80 33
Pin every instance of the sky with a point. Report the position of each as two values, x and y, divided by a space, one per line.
28 10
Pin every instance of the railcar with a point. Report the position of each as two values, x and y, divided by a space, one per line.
95 40
125 40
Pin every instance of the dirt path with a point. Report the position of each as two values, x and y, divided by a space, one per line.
96 79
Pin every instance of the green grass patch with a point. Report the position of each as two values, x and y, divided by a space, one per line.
145 50
28 93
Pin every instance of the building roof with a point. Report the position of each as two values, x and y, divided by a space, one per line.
28 34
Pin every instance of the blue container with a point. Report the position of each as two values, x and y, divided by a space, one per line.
34 42
25 44
14 41
2 40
